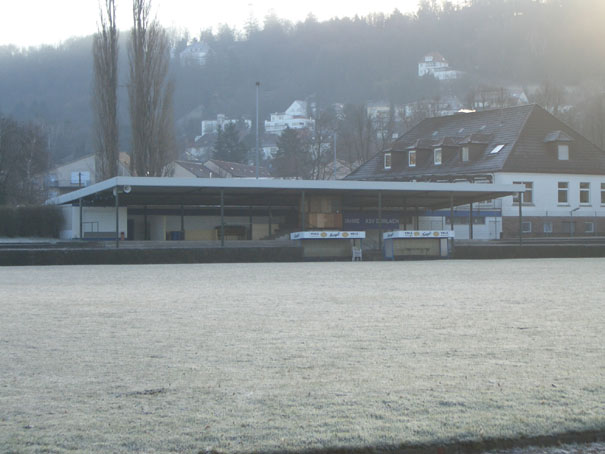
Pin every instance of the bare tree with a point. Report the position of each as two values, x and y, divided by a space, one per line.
358 133
321 146
150 93
551 96
23 161
105 96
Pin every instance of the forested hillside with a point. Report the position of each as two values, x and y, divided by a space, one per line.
556 43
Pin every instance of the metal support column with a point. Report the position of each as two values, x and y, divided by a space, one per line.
222 218
257 138
81 218
270 222
302 207
470 221
182 222
416 219
117 218
250 223
520 219
380 220
405 214
145 232
452 212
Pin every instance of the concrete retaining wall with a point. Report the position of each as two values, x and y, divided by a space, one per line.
528 251
29 257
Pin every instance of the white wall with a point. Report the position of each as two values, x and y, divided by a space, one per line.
545 196
94 219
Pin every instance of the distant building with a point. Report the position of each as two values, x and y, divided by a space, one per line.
438 107
485 98
79 173
212 126
295 117
195 54
268 145
342 169
434 64
214 168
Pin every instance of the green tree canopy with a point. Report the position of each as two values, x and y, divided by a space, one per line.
228 146
292 158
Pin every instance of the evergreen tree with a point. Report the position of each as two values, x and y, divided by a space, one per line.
228 146
291 160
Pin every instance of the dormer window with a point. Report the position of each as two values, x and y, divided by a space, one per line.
559 142
563 152
437 156
412 158
387 161
465 154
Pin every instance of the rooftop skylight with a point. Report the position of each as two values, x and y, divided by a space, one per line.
497 149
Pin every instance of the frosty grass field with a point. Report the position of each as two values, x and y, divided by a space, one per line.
260 357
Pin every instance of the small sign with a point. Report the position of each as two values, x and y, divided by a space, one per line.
370 220
418 234
327 235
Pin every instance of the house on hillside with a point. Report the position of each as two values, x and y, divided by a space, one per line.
563 172
295 117
486 98
194 54
268 146
214 168
203 145
79 173
434 64
440 106
385 116
212 126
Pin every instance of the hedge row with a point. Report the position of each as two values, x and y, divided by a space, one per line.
42 221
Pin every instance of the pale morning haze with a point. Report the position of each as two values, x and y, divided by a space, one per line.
35 22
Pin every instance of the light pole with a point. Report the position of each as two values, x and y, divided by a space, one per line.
257 156
571 224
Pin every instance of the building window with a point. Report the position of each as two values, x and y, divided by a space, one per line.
387 161
437 156
602 193
563 152
589 227
526 226
412 158
585 193
562 192
528 196
548 227
465 154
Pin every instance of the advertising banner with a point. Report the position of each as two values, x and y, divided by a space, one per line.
327 235
418 234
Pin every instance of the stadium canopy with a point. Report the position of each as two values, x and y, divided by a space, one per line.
156 191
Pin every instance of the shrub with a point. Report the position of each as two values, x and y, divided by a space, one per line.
8 221
31 221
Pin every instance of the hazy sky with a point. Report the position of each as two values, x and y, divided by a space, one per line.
34 22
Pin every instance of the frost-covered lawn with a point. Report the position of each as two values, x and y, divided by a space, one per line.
294 356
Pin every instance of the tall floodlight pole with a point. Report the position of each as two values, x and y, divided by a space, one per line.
257 157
